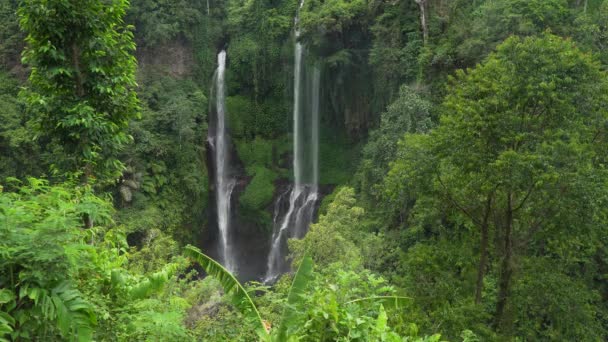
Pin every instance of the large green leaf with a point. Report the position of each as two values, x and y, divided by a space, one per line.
295 297
231 286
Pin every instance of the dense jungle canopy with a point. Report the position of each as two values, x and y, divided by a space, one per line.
304 170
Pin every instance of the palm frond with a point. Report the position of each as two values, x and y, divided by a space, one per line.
231 286
296 296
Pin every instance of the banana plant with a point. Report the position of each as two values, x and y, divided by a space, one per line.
295 298
232 287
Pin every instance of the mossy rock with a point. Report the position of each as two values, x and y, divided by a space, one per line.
258 194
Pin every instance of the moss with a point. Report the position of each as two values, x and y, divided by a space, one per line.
255 153
247 119
241 112
338 158
258 194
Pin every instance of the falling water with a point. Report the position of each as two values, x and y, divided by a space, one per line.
223 183
303 195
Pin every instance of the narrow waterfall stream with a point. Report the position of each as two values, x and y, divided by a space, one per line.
303 195
223 183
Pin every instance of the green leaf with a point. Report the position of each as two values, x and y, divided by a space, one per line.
6 296
296 295
231 286
386 301
381 322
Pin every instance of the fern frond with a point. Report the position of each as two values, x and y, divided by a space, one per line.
231 286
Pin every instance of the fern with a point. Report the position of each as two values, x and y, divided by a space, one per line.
7 322
231 286
64 305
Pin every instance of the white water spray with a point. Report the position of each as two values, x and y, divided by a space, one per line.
304 193
223 183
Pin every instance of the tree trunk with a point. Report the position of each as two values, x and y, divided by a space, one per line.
78 73
483 249
423 23
506 271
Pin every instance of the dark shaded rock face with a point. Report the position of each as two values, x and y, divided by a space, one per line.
250 236
175 58
249 239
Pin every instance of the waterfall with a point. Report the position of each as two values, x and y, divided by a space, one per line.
303 195
223 183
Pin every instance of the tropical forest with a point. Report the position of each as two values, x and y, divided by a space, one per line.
304 170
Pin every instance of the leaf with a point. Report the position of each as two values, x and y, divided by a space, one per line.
231 286
6 296
296 295
382 320
386 301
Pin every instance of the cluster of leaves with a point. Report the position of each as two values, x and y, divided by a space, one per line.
81 87
15 137
61 282
161 21
166 172
345 306
517 159
408 113
41 247
11 38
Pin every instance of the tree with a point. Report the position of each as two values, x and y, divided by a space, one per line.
82 84
518 156
408 113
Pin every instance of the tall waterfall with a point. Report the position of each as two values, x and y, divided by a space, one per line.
303 195
223 183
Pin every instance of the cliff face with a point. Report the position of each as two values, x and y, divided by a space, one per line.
174 58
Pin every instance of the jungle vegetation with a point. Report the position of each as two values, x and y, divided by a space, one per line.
463 165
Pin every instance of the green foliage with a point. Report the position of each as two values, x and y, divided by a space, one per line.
160 21
348 305
166 170
338 158
232 287
41 242
515 158
10 36
249 121
492 222
396 45
326 314
260 191
472 37
331 239
82 80
20 155
61 282
591 28
409 113
295 298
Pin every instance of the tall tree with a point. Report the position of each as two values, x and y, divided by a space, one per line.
518 155
82 83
